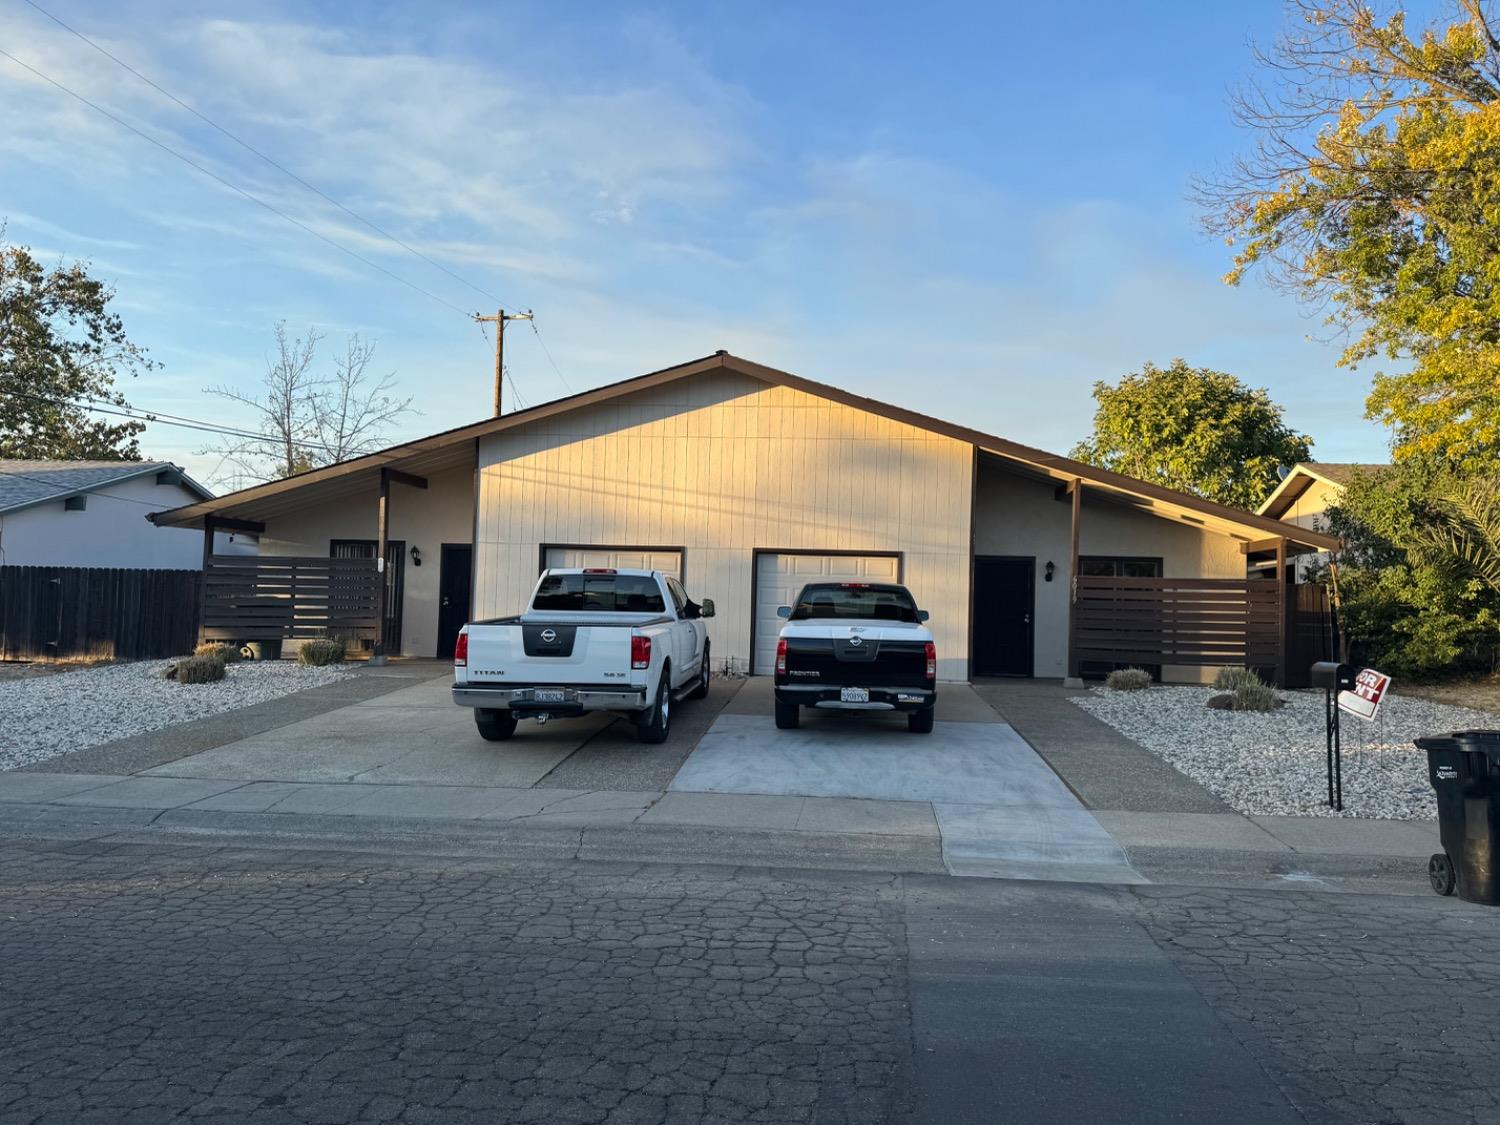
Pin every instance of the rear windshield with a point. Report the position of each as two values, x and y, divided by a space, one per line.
601 593
872 603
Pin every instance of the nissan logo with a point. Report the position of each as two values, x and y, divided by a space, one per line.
856 641
549 635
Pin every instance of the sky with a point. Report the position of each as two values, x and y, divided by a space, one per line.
972 210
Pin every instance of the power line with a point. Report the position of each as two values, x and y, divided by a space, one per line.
545 351
144 414
233 187
273 163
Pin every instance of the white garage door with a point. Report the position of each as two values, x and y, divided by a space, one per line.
619 558
778 578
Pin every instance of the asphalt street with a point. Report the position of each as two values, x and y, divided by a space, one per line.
194 981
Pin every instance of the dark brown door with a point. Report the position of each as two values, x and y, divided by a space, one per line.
1004 615
453 594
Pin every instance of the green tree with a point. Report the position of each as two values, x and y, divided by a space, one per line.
1374 189
1192 429
61 347
1415 598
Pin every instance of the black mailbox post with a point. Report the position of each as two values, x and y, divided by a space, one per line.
1333 678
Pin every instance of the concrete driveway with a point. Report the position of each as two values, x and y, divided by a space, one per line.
999 807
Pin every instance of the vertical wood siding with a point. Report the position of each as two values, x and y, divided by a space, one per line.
722 465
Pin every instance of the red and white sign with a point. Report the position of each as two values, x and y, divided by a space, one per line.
1370 687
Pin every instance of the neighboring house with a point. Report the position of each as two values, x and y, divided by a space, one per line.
746 482
94 514
1306 493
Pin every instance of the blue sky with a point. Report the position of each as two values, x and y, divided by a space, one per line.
971 210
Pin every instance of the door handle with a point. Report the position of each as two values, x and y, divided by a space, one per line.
1025 619
445 601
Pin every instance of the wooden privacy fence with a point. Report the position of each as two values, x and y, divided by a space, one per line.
1212 622
1311 632
98 613
258 598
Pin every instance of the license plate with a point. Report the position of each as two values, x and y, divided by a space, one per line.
549 695
854 695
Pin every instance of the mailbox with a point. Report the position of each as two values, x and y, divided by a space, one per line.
1333 676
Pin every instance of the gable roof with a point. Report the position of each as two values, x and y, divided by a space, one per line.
24 484
429 452
1338 474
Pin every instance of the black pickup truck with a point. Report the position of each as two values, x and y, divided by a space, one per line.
855 646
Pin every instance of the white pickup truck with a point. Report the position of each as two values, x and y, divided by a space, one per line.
592 639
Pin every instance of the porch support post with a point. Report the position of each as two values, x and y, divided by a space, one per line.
1075 676
1281 613
208 554
382 537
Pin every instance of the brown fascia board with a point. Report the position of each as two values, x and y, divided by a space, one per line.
1062 467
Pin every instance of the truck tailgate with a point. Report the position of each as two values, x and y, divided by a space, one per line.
527 652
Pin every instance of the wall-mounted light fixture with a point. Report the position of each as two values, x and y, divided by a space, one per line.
1051 569
416 557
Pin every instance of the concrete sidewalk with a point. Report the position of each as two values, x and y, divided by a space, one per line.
1222 848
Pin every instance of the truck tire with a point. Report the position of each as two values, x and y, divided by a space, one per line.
656 722
700 689
788 716
494 726
920 722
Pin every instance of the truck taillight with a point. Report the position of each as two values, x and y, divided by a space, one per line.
640 652
931 661
461 649
781 656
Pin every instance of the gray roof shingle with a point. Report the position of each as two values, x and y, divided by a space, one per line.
24 483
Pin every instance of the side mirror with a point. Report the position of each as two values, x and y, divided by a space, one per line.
784 611
706 607
923 615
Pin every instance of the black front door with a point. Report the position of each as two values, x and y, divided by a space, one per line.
1004 592
453 594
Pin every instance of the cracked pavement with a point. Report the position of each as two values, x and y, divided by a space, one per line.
187 980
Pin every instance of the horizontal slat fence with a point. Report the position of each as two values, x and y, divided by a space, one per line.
1311 632
1211 622
260 598
96 613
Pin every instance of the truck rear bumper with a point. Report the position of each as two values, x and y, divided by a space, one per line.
881 698
523 701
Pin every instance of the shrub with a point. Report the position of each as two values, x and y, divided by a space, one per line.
1231 679
220 651
1128 679
1255 697
321 651
197 670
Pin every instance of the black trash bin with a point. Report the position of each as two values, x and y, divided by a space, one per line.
1464 768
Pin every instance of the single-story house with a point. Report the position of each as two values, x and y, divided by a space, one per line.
746 482
93 514
1305 494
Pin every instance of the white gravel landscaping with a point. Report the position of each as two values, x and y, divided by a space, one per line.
44 716
1273 763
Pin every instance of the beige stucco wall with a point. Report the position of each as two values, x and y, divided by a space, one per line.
1307 510
1017 515
424 518
721 465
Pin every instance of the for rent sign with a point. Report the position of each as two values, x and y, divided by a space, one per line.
1370 687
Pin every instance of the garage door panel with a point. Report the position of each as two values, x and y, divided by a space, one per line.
616 558
779 577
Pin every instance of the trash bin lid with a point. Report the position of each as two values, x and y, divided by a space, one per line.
1477 741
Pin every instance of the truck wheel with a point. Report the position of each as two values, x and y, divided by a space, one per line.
920 722
654 726
700 689
788 715
494 726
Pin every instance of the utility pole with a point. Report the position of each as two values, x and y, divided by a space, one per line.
498 320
